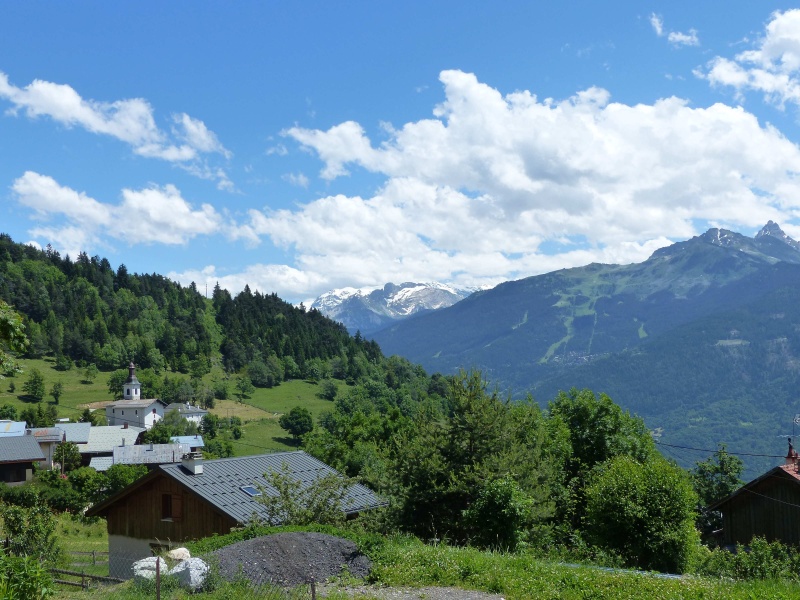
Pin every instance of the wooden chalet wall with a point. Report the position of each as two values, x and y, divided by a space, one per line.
770 508
139 515
16 473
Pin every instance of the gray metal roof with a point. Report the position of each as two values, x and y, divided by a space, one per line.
77 433
143 403
195 441
23 448
222 479
149 454
12 428
185 409
106 437
101 463
47 434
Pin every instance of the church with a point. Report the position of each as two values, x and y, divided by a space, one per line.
133 410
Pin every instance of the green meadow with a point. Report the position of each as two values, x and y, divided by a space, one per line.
259 413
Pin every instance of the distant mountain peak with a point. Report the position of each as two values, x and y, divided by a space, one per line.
773 230
370 309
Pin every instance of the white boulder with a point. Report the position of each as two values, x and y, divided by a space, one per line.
145 569
191 573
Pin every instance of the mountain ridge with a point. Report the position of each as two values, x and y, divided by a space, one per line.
581 326
370 309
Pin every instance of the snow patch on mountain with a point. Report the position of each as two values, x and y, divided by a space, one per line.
370 309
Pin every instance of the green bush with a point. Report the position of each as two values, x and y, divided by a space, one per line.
23 578
760 560
644 512
498 515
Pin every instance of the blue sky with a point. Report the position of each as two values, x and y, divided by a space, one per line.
304 146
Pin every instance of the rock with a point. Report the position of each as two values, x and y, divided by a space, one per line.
179 554
191 573
145 569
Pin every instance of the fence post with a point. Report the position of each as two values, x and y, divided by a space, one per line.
94 557
158 577
313 589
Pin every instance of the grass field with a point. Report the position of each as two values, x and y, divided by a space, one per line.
401 561
259 413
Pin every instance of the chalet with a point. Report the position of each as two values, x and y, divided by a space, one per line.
133 410
17 457
187 411
766 507
197 498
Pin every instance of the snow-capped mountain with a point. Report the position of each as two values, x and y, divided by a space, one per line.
368 310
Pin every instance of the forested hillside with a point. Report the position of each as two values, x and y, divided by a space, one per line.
85 311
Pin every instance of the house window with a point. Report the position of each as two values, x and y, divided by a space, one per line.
171 507
127 391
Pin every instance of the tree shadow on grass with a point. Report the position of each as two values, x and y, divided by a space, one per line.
289 441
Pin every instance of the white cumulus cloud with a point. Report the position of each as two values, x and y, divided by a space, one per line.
130 121
160 214
473 193
771 67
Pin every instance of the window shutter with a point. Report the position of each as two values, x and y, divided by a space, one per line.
166 506
177 507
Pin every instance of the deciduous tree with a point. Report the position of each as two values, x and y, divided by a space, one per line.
297 422
12 338
34 385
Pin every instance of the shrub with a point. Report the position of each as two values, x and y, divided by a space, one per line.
24 577
645 512
498 515
760 560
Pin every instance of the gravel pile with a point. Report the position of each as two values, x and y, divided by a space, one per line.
289 559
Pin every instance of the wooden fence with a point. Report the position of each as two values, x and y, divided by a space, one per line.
82 579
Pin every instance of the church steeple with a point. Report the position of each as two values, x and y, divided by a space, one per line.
132 388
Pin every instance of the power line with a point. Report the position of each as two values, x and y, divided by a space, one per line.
717 449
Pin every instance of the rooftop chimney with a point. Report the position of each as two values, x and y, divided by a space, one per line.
193 462
791 455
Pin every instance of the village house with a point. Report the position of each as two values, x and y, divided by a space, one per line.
191 413
198 498
765 507
48 439
133 410
17 457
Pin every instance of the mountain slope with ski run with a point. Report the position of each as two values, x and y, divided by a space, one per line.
702 339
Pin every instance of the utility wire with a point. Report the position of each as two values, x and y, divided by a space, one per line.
726 450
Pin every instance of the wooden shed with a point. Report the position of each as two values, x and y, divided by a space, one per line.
196 499
767 507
